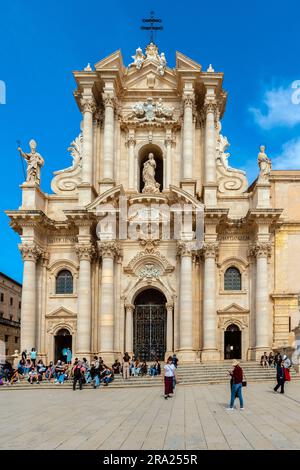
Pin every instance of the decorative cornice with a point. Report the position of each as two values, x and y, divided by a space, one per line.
185 248
108 99
149 245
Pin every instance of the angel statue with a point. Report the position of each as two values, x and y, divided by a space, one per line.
150 185
138 59
34 163
264 164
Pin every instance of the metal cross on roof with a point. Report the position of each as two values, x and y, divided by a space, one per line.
152 28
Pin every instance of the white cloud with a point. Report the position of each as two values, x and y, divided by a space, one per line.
289 158
282 107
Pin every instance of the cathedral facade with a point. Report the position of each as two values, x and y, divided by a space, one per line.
151 242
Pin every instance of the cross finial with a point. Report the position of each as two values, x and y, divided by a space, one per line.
152 28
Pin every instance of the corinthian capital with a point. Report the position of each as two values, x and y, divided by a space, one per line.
210 250
210 105
188 100
185 248
30 252
88 105
108 99
260 250
85 252
109 249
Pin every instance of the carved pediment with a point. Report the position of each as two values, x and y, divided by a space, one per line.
149 78
61 312
149 262
113 62
233 308
185 64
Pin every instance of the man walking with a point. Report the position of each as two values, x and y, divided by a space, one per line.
280 377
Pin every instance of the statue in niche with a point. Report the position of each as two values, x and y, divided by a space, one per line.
34 163
264 164
150 185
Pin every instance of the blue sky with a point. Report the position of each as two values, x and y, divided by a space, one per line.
255 43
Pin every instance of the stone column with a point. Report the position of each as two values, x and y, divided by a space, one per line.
107 251
129 329
168 168
188 100
186 351
88 106
170 343
262 251
30 254
42 333
210 142
209 350
84 312
131 160
108 138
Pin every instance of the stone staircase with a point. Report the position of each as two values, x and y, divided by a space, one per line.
188 374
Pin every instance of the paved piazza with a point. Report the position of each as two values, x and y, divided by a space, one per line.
139 418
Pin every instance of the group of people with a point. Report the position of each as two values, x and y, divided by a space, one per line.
271 360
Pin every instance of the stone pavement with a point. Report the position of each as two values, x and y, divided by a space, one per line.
195 418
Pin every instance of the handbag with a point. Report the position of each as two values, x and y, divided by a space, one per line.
244 383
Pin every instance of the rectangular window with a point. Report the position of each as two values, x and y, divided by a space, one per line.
20 305
6 338
2 297
6 352
1 314
11 301
16 339
290 324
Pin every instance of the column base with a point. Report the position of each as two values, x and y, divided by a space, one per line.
108 357
186 355
210 355
189 186
256 353
106 185
86 194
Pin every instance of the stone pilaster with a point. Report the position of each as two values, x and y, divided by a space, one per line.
42 314
85 187
85 252
209 349
170 336
210 180
108 140
129 329
107 250
186 350
131 160
168 165
30 254
262 251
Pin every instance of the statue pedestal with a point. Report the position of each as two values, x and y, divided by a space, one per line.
261 195
32 196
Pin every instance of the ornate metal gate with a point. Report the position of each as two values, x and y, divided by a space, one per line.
149 330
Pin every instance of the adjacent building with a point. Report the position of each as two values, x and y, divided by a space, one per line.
10 316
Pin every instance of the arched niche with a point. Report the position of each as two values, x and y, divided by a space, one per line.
158 157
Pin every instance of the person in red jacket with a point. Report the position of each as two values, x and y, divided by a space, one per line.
237 379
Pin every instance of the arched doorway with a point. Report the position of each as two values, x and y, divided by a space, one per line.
62 341
150 325
158 157
232 342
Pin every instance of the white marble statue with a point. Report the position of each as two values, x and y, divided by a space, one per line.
150 185
34 163
264 164
152 52
138 59
162 64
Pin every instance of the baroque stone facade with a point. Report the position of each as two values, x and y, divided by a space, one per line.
10 316
150 149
